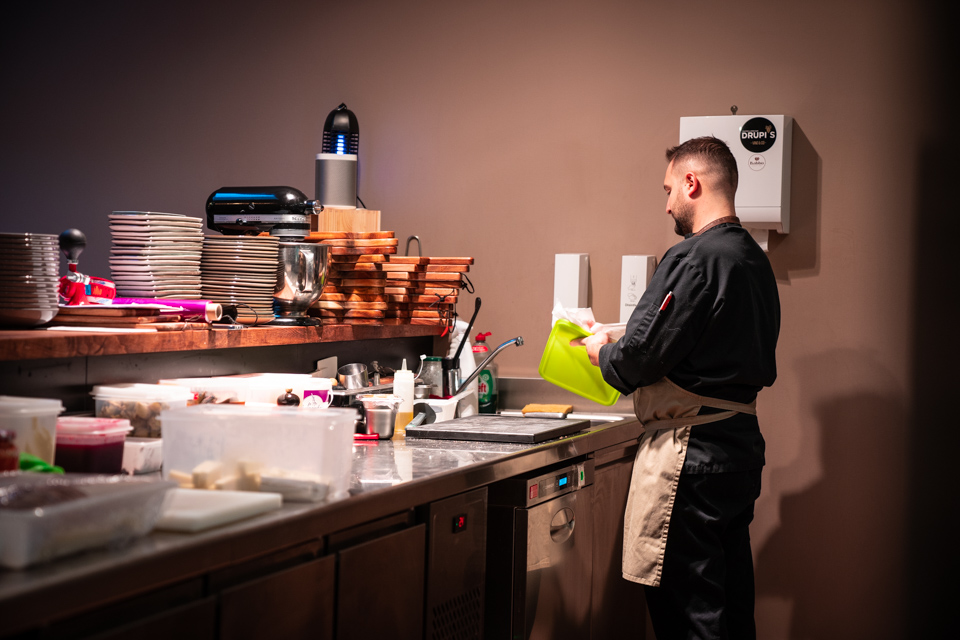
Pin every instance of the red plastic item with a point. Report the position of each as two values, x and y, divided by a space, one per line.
77 288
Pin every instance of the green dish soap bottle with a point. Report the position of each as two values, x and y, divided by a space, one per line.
487 380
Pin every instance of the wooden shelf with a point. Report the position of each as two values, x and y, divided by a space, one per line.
37 343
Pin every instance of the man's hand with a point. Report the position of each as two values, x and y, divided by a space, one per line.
593 343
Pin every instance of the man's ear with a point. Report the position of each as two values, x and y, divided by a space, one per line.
691 184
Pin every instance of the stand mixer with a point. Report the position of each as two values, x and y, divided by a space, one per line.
281 212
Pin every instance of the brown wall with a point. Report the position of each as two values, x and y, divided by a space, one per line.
511 131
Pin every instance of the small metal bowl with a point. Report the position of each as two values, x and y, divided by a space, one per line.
353 376
421 390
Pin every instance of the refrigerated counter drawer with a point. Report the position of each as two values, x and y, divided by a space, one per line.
539 567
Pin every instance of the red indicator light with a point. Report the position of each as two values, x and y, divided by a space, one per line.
459 523
534 491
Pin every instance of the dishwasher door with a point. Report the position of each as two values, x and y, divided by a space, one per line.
540 569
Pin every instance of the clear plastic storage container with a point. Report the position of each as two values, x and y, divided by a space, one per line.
264 388
215 390
304 455
142 455
91 445
46 516
34 422
141 404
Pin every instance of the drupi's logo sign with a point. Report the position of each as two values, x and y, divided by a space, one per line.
757 135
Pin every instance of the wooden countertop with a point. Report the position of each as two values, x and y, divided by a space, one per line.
39 343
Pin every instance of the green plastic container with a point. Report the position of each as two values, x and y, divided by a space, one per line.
569 367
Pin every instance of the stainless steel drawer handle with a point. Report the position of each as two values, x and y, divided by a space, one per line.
562 525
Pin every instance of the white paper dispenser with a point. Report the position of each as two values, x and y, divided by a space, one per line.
762 146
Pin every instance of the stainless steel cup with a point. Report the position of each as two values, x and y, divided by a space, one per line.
353 376
380 413
381 420
304 268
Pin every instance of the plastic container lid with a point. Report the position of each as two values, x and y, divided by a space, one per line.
569 367
104 427
138 391
22 406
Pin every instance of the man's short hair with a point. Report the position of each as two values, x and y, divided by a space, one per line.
713 154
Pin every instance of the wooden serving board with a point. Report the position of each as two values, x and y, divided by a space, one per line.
414 313
348 235
423 275
357 282
430 306
417 290
377 242
357 266
352 297
433 299
356 321
351 313
368 291
360 251
429 260
361 275
377 306
442 268
372 257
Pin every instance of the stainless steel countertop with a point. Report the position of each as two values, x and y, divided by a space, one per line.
389 477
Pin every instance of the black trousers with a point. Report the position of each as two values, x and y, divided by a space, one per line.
706 589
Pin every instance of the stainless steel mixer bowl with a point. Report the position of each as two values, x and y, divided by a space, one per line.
304 273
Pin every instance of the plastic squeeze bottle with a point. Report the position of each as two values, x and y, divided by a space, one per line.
487 380
403 387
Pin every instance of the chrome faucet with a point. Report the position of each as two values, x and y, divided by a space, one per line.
476 372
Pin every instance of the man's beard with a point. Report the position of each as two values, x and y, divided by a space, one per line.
683 218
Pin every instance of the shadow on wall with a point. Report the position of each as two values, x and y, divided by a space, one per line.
837 556
797 254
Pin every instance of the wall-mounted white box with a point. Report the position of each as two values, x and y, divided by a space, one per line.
762 146
571 275
635 274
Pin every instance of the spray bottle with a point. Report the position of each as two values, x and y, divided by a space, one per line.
487 380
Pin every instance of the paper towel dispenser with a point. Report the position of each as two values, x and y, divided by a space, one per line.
762 147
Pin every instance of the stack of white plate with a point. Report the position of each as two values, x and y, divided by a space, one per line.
29 266
242 271
156 255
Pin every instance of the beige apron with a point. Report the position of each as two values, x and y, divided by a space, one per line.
666 412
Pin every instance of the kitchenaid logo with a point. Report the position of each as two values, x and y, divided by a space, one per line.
758 135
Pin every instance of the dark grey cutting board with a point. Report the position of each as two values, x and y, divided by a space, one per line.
495 428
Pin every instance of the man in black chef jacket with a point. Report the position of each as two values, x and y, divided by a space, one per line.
697 349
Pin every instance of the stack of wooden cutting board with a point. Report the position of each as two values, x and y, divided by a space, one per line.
367 283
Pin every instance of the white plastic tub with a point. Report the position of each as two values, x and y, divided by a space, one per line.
141 404
305 455
111 511
34 420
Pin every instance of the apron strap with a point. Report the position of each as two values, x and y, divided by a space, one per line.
676 423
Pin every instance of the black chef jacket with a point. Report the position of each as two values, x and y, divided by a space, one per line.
708 321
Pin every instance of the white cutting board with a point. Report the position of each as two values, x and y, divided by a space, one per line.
191 510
